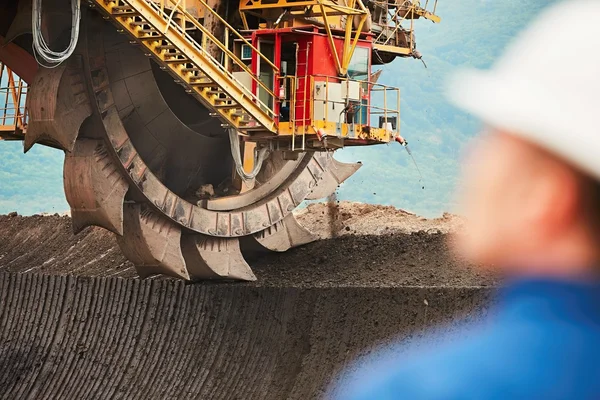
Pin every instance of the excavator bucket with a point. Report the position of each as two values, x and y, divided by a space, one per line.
215 258
152 243
58 104
94 187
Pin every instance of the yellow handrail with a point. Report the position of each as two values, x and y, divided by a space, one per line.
175 49
386 110
227 26
206 34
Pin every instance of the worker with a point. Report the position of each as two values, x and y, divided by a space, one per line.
531 197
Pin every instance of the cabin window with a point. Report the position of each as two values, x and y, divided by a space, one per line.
359 64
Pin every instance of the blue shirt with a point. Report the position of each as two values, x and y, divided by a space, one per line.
543 342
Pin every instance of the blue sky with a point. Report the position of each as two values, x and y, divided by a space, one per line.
472 33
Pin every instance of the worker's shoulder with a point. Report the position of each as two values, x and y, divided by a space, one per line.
524 358
516 356
433 366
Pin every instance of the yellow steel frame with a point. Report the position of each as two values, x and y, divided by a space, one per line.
297 7
349 41
349 45
13 113
239 99
403 51
347 131
423 12
338 65
194 7
323 9
411 12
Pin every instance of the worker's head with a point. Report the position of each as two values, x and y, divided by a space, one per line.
530 188
525 206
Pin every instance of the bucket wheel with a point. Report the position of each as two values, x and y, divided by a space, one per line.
149 163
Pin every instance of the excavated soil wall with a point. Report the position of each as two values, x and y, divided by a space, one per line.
76 324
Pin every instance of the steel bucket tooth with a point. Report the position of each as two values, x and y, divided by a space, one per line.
94 187
336 173
152 243
57 105
215 258
284 235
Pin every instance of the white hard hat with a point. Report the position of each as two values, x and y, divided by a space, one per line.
546 87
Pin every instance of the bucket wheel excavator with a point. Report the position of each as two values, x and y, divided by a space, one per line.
193 128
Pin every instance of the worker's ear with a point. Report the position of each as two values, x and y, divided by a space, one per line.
557 193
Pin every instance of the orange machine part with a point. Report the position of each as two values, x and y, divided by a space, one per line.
18 60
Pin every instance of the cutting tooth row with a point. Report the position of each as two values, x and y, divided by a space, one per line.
96 192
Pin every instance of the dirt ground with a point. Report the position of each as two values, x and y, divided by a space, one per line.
351 218
380 277
363 245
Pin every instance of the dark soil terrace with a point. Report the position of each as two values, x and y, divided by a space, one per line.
45 244
76 322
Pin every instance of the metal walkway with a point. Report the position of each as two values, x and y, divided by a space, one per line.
169 34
